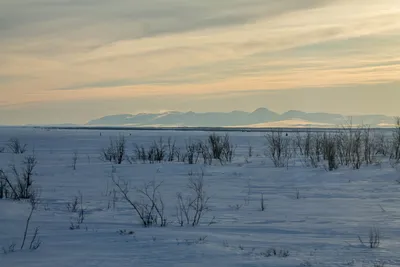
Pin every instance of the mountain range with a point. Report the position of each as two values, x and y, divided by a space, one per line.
261 117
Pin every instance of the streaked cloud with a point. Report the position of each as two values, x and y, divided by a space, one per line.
87 50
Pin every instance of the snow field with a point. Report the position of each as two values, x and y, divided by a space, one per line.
314 215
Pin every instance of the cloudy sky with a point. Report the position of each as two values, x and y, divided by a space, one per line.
74 60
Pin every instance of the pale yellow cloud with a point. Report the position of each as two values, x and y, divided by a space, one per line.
205 58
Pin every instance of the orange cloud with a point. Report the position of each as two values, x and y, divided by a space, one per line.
204 60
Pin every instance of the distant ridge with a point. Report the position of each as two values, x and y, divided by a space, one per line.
261 117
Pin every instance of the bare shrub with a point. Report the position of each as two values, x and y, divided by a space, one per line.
250 151
179 156
4 187
395 154
140 153
10 248
329 151
272 252
308 148
116 150
125 232
190 209
112 202
221 147
35 241
157 151
2 149
192 152
204 150
23 192
73 206
354 145
306 263
22 189
229 150
382 145
356 149
278 148
200 204
172 150
15 146
150 208
262 202
189 242
236 207
74 159
369 145
156 203
216 144
77 207
374 238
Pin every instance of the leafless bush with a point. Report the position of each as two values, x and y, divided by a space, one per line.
221 147
236 206
192 152
140 153
150 208
116 150
77 207
278 148
172 150
309 148
395 155
382 145
356 149
189 242
276 253
262 202
155 207
204 150
370 145
73 206
216 144
4 187
74 159
191 209
179 156
374 237
183 209
35 241
10 248
112 202
200 204
15 146
23 186
157 151
329 151
2 149
344 145
250 151
354 145
306 263
125 232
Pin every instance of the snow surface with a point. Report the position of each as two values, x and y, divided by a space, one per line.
320 229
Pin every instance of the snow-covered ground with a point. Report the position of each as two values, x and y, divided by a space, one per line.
314 215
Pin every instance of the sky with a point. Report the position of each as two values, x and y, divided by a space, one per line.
75 60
